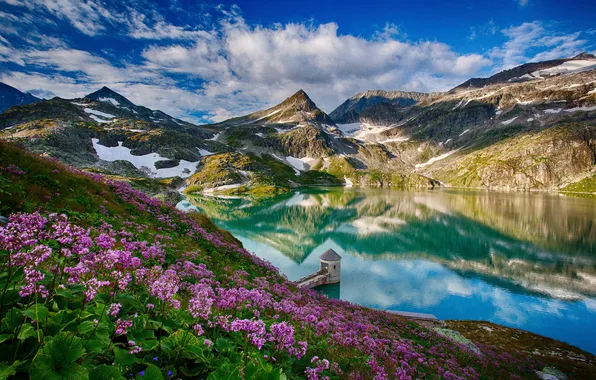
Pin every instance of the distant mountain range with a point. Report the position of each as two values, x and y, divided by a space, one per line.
532 127
10 96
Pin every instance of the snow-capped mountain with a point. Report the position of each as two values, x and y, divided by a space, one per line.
531 71
10 96
529 128
534 133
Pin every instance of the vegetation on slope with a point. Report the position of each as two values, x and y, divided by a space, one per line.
102 281
253 175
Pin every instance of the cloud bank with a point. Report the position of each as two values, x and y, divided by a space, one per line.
226 67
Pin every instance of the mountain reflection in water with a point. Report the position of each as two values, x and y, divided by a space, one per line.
522 260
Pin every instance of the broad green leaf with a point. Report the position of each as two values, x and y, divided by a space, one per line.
223 344
97 345
27 331
7 370
226 371
149 345
151 373
5 337
86 327
123 359
57 359
105 372
36 312
11 320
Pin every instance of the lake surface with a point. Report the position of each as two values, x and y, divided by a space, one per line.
521 260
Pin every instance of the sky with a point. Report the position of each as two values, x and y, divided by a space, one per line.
209 61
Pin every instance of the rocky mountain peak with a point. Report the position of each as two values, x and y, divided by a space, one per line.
106 94
299 100
584 55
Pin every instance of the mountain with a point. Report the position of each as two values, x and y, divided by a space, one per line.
10 96
105 131
535 134
298 134
298 108
349 111
105 94
530 71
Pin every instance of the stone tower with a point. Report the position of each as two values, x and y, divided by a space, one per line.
331 261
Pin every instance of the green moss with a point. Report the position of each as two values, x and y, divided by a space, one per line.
586 185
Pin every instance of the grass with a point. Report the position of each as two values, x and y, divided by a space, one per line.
569 359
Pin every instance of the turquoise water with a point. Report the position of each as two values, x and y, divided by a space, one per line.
521 260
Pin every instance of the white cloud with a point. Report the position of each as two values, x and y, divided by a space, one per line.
90 17
268 63
523 3
142 27
524 39
227 68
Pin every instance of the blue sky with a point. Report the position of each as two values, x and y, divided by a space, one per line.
207 61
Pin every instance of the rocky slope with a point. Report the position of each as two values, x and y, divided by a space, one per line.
349 111
534 134
10 96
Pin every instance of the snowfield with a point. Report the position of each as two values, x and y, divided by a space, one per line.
435 159
507 122
569 67
183 169
110 100
302 164
99 120
98 113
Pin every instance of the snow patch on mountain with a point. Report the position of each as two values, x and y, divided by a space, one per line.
100 120
302 164
144 162
99 113
569 67
507 122
110 100
435 159
349 129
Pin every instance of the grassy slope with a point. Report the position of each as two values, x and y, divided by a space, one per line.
355 340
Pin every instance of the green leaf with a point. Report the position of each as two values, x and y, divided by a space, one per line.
151 373
97 346
57 359
5 337
36 312
123 359
7 370
11 320
27 331
149 345
86 327
226 371
223 344
105 372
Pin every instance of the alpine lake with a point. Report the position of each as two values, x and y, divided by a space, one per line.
524 260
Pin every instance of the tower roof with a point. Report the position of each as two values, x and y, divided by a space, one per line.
330 255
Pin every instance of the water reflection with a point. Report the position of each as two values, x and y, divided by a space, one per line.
525 260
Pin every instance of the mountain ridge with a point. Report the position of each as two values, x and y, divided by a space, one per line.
535 134
11 96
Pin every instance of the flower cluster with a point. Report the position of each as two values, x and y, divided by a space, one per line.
213 289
